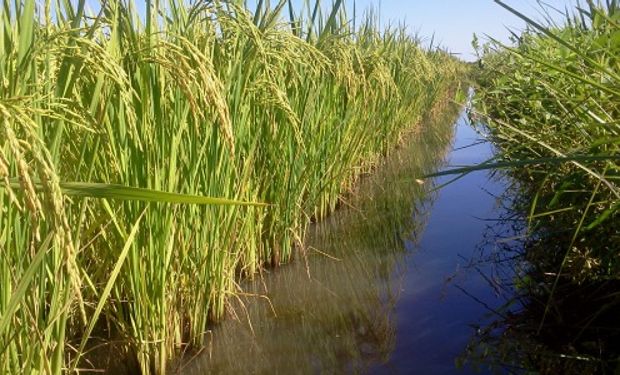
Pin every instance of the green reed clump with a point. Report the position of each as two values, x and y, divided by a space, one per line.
553 102
117 124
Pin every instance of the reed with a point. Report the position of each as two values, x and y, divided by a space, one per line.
552 104
118 125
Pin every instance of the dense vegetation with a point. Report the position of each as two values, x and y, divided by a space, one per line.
556 96
117 125
337 305
552 104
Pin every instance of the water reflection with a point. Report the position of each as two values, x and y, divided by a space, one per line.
441 300
572 331
331 311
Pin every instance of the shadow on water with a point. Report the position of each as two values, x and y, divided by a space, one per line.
540 322
574 332
549 324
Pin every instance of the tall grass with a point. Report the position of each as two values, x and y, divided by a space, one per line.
336 306
552 103
554 106
117 125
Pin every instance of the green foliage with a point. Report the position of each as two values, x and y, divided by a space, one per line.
116 126
555 95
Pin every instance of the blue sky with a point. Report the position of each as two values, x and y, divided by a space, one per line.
453 22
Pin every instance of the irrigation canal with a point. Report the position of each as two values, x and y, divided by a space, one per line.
389 284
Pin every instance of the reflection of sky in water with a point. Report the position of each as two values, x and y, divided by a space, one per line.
377 309
434 317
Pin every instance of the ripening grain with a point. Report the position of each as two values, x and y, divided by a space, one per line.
117 128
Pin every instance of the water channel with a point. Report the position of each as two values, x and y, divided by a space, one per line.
389 284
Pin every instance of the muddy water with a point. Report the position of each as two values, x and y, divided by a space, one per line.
385 285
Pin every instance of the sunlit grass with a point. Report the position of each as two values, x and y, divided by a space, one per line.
117 128
554 104
553 107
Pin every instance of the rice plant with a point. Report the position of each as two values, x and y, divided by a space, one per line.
336 306
149 159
